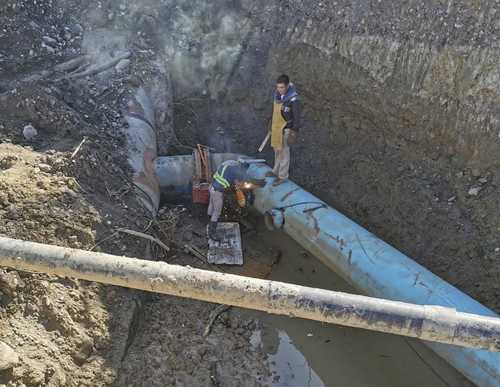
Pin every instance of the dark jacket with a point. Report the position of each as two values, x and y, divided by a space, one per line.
227 174
290 109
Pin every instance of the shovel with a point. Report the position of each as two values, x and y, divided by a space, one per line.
264 143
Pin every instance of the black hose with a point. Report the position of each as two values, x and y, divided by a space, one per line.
269 219
321 205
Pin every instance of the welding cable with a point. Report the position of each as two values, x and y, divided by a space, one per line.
320 205
269 216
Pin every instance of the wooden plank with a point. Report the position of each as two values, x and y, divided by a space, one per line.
208 165
228 251
197 166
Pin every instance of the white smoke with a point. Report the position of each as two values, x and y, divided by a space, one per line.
199 41
203 44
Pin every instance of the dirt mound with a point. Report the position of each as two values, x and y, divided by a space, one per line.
59 328
40 203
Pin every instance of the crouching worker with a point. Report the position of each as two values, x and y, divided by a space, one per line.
231 175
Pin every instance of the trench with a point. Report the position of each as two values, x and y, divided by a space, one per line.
400 133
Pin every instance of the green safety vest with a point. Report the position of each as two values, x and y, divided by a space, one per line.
219 177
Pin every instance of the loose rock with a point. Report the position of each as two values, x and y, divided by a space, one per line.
8 357
29 132
9 282
45 167
50 41
474 191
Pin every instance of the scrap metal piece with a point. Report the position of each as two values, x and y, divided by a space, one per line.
228 250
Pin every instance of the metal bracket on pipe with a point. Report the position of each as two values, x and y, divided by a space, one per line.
275 217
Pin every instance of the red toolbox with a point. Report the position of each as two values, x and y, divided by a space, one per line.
201 193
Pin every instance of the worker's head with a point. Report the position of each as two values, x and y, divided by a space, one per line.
245 163
282 84
239 183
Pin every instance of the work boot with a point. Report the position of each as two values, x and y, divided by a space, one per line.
278 181
270 174
212 231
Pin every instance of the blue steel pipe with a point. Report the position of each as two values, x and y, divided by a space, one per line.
373 266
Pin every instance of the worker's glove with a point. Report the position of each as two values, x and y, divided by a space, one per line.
240 198
292 137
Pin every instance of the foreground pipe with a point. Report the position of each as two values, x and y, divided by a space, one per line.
426 322
373 266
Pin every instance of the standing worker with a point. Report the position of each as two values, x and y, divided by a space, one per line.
285 127
231 174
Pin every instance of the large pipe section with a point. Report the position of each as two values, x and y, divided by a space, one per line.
372 266
426 322
176 172
141 143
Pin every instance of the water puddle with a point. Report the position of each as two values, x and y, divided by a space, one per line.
308 353
288 365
